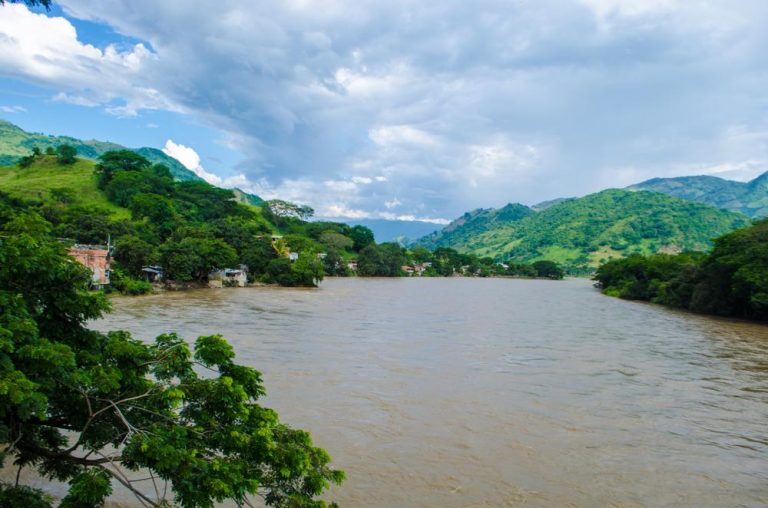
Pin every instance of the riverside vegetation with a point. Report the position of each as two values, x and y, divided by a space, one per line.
189 227
90 408
731 280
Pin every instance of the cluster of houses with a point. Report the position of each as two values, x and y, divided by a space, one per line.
98 259
416 270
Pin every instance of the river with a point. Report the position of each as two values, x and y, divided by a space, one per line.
498 392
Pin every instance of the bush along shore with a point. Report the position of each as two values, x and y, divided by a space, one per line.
731 280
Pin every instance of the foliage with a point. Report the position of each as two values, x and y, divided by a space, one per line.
580 234
548 269
16 143
732 280
361 237
383 260
306 271
127 285
92 408
749 198
66 154
194 258
280 208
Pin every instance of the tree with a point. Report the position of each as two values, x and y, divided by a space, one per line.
548 269
66 154
133 254
336 241
256 255
195 258
89 408
382 260
118 160
308 269
361 237
282 208
334 264
159 210
279 271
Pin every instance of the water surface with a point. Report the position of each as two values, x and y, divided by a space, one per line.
498 392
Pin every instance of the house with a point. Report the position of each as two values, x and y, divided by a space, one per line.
352 265
229 277
152 273
293 256
96 258
419 269
407 269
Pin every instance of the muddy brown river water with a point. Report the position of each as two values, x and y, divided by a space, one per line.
498 392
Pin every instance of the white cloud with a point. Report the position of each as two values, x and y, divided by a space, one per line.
190 159
401 134
13 109
393 203
447 105
46 50
605 8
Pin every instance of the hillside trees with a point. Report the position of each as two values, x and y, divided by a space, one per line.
91 409
732 280
66 154
384 260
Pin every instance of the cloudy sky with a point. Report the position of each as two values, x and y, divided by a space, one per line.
396 108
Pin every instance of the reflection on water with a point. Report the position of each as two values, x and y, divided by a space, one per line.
497 392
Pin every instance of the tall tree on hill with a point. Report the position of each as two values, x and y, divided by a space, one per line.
66 154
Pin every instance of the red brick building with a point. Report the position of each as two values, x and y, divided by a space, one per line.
96 258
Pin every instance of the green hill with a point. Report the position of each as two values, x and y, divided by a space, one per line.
461 233
16 143
582 233
46 180
749 198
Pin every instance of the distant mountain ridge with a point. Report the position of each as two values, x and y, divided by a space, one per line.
401 231
749 198
581 233
15 143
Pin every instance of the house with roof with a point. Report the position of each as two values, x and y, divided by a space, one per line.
228 277
97 259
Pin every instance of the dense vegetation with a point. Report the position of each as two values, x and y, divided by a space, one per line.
189 228
732 280
749 198
15 144
186 227
580 234
91 409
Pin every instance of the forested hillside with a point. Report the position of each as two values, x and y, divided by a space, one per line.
749 198
582 233
732 280
187 227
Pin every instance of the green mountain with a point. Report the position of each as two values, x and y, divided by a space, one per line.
581 233
461 233
16 143
749 198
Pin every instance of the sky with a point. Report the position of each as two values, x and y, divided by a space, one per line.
403 109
